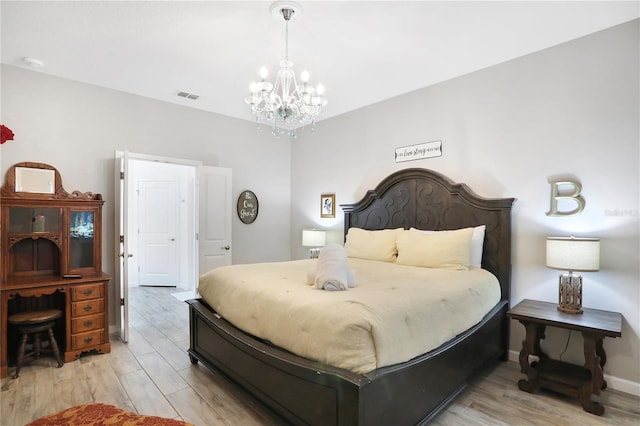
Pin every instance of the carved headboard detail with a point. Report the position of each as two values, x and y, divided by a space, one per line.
425 199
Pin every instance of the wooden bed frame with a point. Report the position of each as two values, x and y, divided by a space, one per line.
301 391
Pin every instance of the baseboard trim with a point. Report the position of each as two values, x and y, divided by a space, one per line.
616 383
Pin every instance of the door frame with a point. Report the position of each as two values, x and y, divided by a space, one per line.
121 299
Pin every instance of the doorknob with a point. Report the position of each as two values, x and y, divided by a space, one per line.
226 247
172 239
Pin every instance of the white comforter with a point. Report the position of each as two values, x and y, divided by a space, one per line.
394 313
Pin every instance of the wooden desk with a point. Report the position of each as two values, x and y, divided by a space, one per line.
46 236
559 376
84 302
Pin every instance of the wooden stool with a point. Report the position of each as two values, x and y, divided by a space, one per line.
34 323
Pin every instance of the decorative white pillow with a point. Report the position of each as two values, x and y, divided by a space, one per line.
445 250
477 242
372 245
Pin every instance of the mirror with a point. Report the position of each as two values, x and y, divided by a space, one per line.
40 181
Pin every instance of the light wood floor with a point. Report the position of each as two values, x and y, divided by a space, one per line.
152 375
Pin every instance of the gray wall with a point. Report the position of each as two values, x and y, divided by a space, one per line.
77 128
506 130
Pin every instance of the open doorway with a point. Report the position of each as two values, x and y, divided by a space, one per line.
174 219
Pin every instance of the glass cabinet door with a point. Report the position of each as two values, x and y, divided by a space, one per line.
81 239
27 220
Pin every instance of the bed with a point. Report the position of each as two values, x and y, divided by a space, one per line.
302 391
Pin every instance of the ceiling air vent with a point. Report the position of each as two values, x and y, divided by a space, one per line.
188 95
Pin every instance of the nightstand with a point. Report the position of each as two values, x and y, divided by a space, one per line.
559 376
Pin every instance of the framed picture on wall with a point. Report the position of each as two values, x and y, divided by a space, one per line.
328 205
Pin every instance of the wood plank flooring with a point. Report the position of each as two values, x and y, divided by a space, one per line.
152 375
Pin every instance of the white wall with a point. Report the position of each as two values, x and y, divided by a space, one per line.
571 109
77 128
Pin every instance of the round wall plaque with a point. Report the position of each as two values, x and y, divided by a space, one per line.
247 206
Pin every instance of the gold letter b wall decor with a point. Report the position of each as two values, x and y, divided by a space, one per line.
559 192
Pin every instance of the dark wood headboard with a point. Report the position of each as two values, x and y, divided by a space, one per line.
424 199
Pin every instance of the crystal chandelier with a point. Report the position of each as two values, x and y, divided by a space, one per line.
285 105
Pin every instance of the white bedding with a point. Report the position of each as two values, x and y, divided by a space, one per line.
394 313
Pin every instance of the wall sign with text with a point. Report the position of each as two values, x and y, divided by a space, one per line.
247 207
419 151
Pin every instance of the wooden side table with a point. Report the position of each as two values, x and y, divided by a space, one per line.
559 376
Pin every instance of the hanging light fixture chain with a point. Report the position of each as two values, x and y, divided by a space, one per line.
286 14
286 39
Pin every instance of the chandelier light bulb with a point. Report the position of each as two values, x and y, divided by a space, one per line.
304 76
264 72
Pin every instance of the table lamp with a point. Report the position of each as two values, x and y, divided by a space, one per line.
572 254
314 238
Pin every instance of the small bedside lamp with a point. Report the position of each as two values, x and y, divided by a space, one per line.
314 238
572 254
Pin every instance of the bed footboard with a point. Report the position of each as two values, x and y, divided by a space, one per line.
298 390
301 391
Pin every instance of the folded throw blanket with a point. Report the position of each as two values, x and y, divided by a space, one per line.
351 277
332 272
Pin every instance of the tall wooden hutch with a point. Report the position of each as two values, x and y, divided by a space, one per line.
52 258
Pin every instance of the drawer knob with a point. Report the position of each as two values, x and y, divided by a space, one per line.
88 323
88 339
87 292
88 308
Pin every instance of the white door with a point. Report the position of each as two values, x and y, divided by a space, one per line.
122 243
158 207
215 211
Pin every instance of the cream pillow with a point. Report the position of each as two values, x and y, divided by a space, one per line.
372 245
477 243
445 250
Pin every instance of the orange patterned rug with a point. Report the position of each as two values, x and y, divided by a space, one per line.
102 414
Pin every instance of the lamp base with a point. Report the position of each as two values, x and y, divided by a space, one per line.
570 293
570 311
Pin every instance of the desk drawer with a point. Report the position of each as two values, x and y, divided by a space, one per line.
89 291
87 307
86 340
87 323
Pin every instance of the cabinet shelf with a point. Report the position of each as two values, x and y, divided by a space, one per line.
15 237
33 235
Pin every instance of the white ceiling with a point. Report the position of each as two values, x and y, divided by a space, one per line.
362 51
